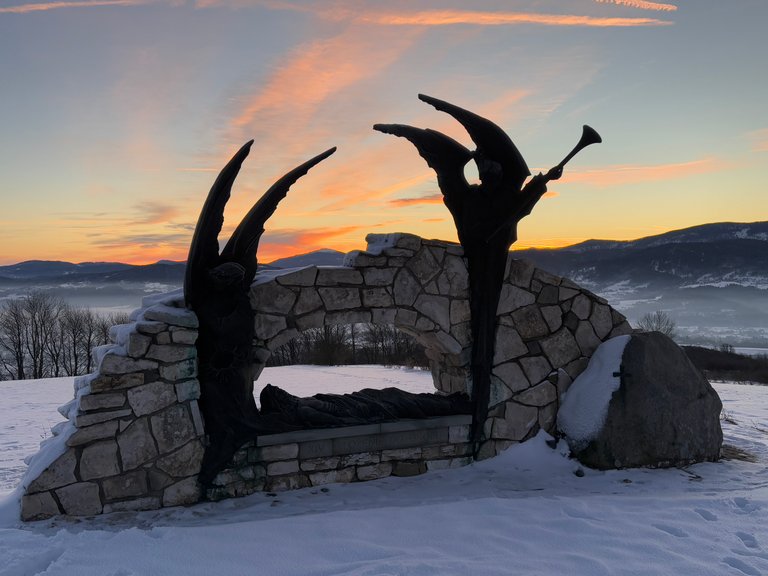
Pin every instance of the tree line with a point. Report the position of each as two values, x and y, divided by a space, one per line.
351 344
41 336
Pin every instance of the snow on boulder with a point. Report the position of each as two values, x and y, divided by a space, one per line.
641 402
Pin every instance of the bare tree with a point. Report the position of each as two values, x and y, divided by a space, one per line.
12 340
658 321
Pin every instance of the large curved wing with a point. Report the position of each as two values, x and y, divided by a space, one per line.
442 153
492 142
244 242
204 249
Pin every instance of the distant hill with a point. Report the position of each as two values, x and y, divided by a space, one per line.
322 257
712 279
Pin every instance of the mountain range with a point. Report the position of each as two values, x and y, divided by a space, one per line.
712 279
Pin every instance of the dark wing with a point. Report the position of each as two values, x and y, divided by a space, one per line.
204 249
492 142
442 153
244 242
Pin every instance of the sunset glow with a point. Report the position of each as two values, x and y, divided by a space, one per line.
118 114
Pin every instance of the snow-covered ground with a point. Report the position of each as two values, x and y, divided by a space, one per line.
524 512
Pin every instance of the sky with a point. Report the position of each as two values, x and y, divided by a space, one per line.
116 116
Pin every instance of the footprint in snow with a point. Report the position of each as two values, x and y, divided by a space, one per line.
741 566
672 530
748 539
706 514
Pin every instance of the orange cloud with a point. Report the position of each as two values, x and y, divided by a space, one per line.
641 5
454 17
288 242
44 6
633 174
431 199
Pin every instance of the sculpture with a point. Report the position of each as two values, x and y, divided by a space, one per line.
216 287
486 217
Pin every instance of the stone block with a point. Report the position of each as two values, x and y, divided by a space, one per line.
567 293
499 392
519 272
406 318
103 383
343 476
548 295
170 315
340 298
513 297
316 449
125 485
424 324
267 326
436 308
406 288
150 327
540 395
459 434
90 433
171 353
586 339
314 320
316 464
460 311
517 421
281 468
401 454
307 301
83 420
278 452
548 417
182 493
145 503
137 345
59 473
621 330
582 307
455 272
530 322
383 316
348 317
282 483
512 375
172 428
601 320
300 277
560 348
553 316
374 297
151 397
374 471
163 338
379 276
182 336
38 506
283 338
113 363
272 298
423 266
508 345
180 370
536 368
101 401
359 459
81 499
186 461
408 468
333 276
187 390
99 460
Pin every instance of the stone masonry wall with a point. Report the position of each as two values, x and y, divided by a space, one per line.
134 438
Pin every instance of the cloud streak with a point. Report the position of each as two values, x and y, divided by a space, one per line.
431 199
634 174
478 18
641 5
45 6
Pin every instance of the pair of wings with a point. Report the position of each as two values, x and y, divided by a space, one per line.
241 247
442 153
447 157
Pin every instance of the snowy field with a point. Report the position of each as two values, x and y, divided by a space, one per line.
525 512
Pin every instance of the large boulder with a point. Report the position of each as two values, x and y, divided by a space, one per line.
641 402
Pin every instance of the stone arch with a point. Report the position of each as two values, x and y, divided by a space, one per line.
418 286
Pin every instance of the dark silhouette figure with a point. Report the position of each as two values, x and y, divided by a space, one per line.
486 217
216 287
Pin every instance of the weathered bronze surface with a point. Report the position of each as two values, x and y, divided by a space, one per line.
486 217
